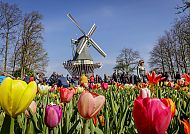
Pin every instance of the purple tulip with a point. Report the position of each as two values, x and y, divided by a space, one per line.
53 115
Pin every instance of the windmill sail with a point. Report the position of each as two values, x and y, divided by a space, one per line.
74 21
97 48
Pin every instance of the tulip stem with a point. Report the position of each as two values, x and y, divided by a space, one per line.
51 131
85 127
8 125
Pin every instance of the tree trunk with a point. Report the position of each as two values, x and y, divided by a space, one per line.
6 52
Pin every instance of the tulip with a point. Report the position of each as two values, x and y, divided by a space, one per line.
53 88
95 86
104 86
169 84
32 107
153 78
89 104
186 77
144 93
181 82
151 116
16 96
43 89
90 85
53 115
79 89
66 95
169 103
129 86
186 126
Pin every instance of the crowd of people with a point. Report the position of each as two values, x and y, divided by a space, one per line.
121 77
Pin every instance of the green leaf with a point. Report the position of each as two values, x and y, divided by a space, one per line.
71 131
98 131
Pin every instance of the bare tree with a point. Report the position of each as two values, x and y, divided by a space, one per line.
127 60
184 7
10 17
31 52
172 51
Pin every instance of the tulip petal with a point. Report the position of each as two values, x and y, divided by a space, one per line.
162 121
86 105
5 93
28 95
52 117
18 88
99 102
141 117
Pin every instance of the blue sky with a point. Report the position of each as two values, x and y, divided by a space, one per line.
135 24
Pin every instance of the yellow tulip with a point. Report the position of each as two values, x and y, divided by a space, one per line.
16 95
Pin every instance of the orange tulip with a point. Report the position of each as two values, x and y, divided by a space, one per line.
169 103
186 126
89 104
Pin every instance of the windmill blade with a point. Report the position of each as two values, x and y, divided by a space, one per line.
81 46
92 30
97 48
74 21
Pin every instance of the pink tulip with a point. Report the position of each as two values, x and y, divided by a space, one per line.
53 115
89 104
66 95
32 107
144 93
90 85
151 116
104 86
53 88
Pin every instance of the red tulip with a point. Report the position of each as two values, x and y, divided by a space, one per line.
95 86
104 86
66 95
180 82
187 77
151 116
53 115
145 92
89 104
153 78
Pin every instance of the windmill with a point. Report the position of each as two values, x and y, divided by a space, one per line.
82 61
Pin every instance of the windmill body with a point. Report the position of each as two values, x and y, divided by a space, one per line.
82 61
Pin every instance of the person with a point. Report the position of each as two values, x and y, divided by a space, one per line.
62 82
53 79
177 76
133 79
141 72
2 77
31 78
114 77
105 78
26 78
92 79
